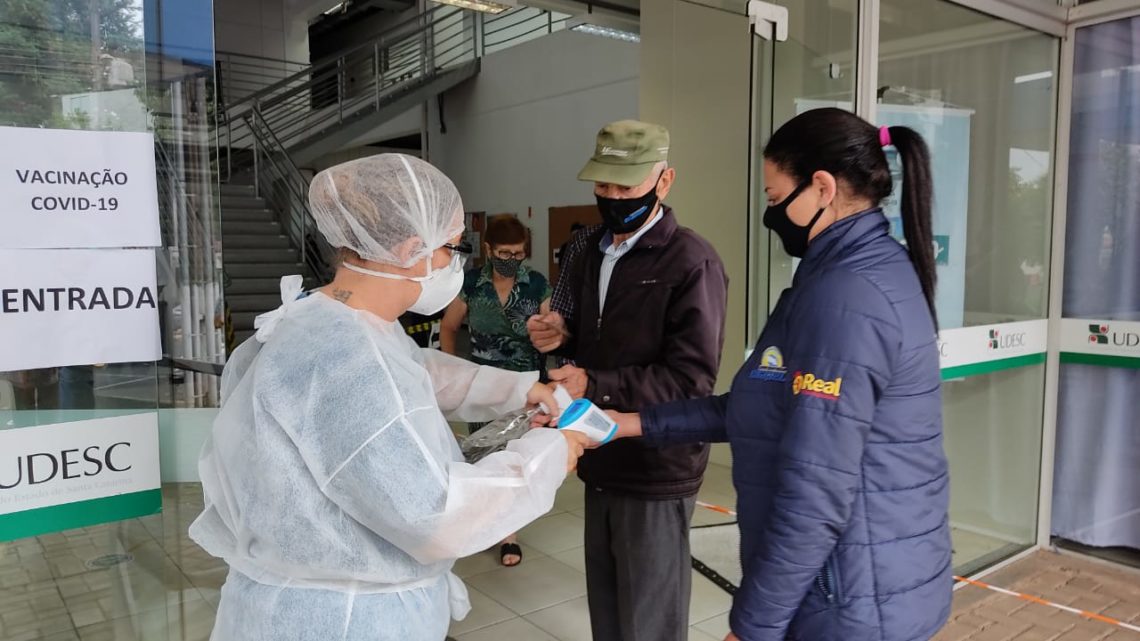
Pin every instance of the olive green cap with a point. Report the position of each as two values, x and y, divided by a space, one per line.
626 153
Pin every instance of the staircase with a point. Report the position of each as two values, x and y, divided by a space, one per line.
322 107
267 229
258 253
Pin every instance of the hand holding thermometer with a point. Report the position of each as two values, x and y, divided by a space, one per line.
587 418
583 416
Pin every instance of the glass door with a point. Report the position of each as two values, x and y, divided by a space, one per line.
982 91
118 123
813 67
991 129
1096 498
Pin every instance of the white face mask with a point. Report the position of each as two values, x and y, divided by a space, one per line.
438 288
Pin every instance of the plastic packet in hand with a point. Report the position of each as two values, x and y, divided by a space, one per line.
495 435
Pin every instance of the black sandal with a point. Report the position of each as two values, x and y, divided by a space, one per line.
509 549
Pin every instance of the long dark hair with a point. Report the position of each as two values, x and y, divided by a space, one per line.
849 148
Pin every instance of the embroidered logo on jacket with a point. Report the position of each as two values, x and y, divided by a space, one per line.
770 367
811 385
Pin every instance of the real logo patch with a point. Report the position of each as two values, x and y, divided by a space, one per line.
809 384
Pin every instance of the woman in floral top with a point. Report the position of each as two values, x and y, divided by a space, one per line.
497 300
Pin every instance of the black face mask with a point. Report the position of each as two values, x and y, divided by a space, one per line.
794 237
626 215
507 267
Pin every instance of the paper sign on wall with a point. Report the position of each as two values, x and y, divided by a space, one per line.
67 475
77 306
81 189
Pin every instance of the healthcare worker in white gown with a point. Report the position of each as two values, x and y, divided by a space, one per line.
334 488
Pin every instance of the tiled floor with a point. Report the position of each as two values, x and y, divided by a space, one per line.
122 581
544 599
67 587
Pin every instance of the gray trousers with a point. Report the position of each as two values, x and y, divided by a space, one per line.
638 568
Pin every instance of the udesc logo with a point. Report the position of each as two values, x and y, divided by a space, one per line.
999 341
1103 335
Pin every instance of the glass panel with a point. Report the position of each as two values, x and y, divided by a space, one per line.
816 63
142 66
1096 500
992 427
982 92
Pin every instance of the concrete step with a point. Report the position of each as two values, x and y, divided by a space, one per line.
255 241
240 227
231 215
273 270
244 320
243 191
259 303
242 202
241 255
254 286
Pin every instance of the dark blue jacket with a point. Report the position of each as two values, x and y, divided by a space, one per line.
835 423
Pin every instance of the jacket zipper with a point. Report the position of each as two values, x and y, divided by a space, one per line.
826 582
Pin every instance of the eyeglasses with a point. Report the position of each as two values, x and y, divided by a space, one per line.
502 254
461 248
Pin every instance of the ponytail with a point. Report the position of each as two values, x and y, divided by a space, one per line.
851 149
916 204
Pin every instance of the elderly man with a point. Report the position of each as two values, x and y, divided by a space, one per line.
638 311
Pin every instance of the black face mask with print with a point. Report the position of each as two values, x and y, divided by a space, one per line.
794 237
626 215
506 267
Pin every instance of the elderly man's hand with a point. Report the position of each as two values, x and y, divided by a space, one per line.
547 331
574 379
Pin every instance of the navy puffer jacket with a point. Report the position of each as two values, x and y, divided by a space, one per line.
835 423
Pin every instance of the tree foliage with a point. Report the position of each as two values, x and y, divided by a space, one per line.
47 49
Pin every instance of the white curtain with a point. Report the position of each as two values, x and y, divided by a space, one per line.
1097 486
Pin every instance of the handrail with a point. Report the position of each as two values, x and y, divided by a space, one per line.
199 367
351 49
441 34
280 171
361 79
221 53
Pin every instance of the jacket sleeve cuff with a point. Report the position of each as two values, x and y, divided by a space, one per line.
696 420
601 388
652 428
747 632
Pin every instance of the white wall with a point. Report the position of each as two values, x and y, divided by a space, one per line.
253 28
518 134
351 153
406 124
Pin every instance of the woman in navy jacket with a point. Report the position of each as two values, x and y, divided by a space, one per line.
835 421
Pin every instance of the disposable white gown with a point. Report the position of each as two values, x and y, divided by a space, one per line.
335 490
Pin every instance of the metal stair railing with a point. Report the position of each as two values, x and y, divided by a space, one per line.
286 190
189 261
354 83
239 75
514 27
266 123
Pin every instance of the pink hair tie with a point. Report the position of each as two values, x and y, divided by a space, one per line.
885 136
